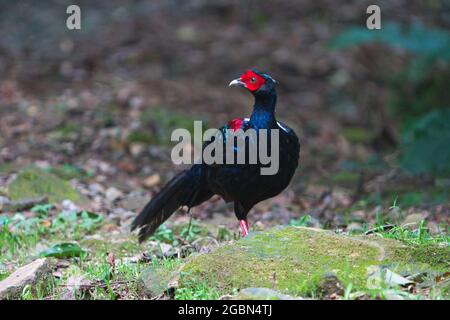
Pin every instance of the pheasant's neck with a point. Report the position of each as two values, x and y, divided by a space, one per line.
263 115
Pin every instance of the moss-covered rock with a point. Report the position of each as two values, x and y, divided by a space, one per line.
154 282
160 278
414 258
295 260
35 183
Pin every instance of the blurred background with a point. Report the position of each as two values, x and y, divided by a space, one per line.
96 106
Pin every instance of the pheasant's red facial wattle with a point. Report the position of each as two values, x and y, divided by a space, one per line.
235 124
252 80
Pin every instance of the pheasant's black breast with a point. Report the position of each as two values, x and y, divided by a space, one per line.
244 183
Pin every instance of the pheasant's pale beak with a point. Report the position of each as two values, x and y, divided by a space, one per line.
237 82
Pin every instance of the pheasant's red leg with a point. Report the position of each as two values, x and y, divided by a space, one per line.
244 227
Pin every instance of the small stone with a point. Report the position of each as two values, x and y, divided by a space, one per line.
96 188
30 274
152 180
142 257
355 227
154 283
22 204
3 201
165 248
42 164
112 194
76 286
97 203
136 149
4 191
126 218
186 33
330 286
32 110
134 202
68 205
62 263
117 213
413 220
359 215
379 276
136 102
434 227
161 249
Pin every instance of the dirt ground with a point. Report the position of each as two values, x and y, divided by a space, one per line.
97 106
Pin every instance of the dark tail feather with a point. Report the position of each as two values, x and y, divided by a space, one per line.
176 193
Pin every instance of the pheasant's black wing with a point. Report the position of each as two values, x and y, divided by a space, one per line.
293 144
220 138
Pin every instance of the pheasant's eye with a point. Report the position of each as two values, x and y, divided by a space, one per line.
253 80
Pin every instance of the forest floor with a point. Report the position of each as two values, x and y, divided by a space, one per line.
98 120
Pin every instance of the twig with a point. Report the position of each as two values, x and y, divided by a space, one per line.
23 204
103 285
386 227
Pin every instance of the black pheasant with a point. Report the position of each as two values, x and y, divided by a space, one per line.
241 183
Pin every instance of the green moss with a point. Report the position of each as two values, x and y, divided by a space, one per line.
419 258
357 135
290 259
345 178
35 183
119 247
164 121
65 132
8 167
294 260
141 137
68 171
